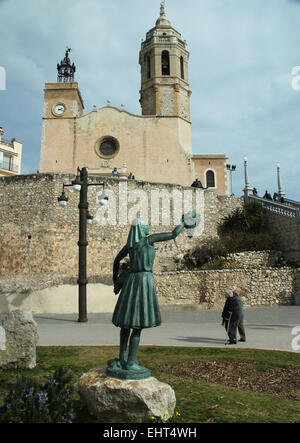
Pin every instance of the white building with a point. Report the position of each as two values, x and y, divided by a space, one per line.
10 156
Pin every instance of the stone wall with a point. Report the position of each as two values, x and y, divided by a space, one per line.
287 233
266 286
253 259
38 239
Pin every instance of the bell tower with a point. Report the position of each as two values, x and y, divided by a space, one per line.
63 104
63 99
164 71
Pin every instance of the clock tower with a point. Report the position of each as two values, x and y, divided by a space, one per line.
63 104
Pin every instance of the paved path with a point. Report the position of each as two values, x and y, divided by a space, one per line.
266 328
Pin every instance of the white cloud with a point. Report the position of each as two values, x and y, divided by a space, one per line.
241 57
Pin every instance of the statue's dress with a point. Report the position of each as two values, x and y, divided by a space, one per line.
137 306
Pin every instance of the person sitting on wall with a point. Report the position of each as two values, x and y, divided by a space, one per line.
115 173
197 184
130 176
254 191
275 196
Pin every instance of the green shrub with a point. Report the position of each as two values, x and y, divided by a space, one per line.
250 218
212 254
211 249
234 222
31 402
255 217
215 263
242 230
248 241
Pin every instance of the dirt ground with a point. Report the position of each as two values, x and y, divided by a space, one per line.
284 382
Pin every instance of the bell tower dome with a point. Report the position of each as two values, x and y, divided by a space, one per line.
164 71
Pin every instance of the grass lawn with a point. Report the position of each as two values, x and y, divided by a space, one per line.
222 385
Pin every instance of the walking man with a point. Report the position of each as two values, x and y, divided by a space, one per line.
229 317
239 323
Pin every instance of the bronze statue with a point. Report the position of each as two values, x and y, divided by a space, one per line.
137 306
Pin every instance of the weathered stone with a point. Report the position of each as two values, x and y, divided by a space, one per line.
130 400
206 288
38 239
38 246
19 348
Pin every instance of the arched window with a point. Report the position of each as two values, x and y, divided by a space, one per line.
165 63
210 179
148 67
181 67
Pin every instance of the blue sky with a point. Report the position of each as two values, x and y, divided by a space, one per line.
241 57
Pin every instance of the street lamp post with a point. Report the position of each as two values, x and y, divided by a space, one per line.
247 187
80 184
280 192
230 168
82 246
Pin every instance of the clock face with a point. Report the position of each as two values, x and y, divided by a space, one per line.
59 109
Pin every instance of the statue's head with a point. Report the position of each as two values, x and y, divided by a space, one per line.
139 229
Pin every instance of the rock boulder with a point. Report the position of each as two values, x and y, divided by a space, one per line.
19 340
129 400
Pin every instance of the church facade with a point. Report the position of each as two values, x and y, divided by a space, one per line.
155 146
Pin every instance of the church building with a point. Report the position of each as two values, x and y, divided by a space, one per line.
155 146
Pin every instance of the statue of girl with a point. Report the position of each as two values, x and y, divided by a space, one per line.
137 306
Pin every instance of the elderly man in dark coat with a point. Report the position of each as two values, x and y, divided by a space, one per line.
239 323
229 317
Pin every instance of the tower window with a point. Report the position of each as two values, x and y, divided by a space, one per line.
210 179
181 67
165 63
148 64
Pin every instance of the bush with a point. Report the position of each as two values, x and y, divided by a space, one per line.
251 218
214 251
243 230
30 402
212 248
255 217
246 241
234 222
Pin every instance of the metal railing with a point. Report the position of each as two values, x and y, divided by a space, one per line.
283 209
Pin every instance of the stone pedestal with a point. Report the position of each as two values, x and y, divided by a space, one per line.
129 400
